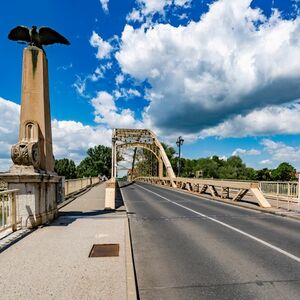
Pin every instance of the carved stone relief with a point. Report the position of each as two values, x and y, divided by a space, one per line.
26 154
27 151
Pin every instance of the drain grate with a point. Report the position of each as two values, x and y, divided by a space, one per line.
104 250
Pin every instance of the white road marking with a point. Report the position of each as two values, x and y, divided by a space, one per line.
296 258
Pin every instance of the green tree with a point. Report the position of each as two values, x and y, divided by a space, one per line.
250 174
170 151
233 168
98 162
146 163
65 167
208 166
263 175
284 172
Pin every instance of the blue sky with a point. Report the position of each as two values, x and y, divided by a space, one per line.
223 74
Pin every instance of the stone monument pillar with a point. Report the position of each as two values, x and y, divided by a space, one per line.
33 169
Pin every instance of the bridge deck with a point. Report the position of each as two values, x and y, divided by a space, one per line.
53 263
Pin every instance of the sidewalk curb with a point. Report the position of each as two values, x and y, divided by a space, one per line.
131 281
207 197
130 273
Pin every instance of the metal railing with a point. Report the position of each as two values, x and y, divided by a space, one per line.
76 185
288 189
217 189
8 210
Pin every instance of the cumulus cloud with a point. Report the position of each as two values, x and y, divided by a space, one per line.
239 151
280 151
70 139
202 74
104 4
107 113
9 126
268 121
104 48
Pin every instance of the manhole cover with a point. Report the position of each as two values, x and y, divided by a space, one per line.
104 250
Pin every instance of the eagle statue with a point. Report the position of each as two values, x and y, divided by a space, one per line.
37 37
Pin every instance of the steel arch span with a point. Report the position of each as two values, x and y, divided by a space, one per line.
140 138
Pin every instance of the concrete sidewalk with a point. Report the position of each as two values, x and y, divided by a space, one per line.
52 262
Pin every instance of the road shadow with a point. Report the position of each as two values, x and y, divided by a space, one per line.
123 184
10 239
119 200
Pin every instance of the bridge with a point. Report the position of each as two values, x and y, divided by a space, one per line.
151 236
189 238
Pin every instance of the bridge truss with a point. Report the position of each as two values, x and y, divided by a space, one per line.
137 139
143 139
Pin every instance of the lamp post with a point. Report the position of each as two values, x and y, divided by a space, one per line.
179 143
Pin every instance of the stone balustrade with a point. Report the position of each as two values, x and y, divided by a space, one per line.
72 186
8 210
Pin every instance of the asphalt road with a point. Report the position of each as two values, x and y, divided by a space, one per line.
186 247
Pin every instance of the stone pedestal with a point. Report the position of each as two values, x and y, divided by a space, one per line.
37 197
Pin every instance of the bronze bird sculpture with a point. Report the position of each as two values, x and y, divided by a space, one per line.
37 37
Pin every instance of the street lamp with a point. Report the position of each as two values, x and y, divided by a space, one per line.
179 143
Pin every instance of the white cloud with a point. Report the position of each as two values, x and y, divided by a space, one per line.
80 85
280 151
268 121
104 48
134 92
106 112
120 79
239 151
71 139
126 93
9 127
134 16
202 74
104 4
266 162
150 7
65 67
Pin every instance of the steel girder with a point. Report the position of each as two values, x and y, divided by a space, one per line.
140 138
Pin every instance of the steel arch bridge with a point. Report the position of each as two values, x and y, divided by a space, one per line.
140 138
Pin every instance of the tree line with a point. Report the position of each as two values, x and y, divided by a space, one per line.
231 168
98 162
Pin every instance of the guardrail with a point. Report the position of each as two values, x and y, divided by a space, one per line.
8 210
218 189
288 189
76 185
